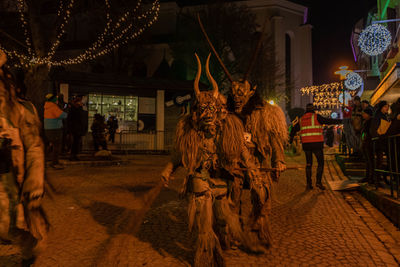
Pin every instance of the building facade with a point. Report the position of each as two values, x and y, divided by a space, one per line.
382 72
285 21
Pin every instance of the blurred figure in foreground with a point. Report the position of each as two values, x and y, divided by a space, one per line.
22 219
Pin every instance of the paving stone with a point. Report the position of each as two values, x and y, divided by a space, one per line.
94 206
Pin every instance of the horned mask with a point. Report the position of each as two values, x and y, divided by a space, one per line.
208 103
242 91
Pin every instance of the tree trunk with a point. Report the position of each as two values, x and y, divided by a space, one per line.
37 76
38 85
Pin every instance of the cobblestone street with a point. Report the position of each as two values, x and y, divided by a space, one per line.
93 209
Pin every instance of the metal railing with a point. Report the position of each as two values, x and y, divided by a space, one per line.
135 141
386 152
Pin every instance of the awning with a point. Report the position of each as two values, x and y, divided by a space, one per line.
389 87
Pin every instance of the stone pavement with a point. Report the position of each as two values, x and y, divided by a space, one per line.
94 208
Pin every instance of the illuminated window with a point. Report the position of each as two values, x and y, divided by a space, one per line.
124 108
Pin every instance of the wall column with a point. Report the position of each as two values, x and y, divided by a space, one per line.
305 62
64 89
279 46
160 133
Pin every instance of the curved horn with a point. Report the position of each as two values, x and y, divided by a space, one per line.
253 59
213 49
210 78
196 81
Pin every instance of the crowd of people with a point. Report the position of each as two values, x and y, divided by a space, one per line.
366 129
66 123
363 134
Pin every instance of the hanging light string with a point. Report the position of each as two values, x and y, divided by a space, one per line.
60 8
324 112
92 54
326 96
126 28
101 39
61 31
21 7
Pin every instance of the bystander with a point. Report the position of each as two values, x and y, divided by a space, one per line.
311 134
53 125
366 144
76 126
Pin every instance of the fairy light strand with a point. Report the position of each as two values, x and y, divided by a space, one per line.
61 31
21 6
113 44
127 27
326 96
96 45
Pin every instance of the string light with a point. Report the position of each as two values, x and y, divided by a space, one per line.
353 81
89 54
62 28
326 96
324 112
374 39
21 6
127 27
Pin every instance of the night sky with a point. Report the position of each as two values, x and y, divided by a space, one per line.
332 23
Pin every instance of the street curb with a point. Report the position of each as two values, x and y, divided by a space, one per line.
387 205
383 202
93 163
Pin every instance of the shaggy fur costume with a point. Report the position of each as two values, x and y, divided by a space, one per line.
230 150
21 188
209 143
266 124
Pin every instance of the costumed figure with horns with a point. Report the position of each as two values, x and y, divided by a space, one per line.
265 132
22 220
210 145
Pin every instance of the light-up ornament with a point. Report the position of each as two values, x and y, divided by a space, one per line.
353 81
347 98
271 102
343 71
334 115
374 39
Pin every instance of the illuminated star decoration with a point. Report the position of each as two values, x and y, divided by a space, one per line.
353 81
374 39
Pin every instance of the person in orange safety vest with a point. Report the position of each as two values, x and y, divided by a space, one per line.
312 139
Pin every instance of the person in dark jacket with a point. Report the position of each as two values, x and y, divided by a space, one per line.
330 135
76 126
99 132
395 116
311 134
379 126
365 104
366 144
112 126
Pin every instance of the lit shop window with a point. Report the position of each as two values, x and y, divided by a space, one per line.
124 108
